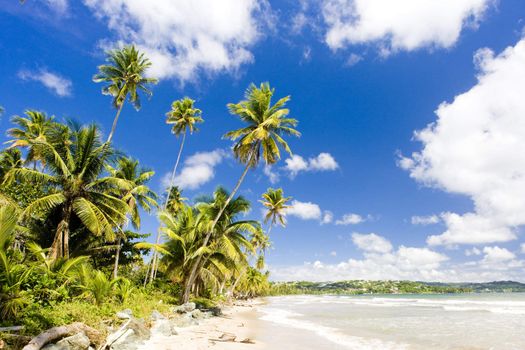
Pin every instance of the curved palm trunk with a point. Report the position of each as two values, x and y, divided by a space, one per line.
60 246
155 266
193 273
114 126
117 256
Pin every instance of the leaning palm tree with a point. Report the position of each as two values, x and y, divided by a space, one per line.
184 117
124 76
138 196
262 136
35 126
275 205
73 172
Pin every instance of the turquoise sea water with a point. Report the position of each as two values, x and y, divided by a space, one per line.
429 322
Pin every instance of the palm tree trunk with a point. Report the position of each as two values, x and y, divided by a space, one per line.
117 256
175 170
114 126
60 246
191 279
154 261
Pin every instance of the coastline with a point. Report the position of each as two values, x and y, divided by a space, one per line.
370 322
236 328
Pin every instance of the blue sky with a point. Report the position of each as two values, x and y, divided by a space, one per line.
364 76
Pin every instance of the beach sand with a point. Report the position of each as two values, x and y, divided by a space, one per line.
238 320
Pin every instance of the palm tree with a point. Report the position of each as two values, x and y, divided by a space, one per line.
36 126
176 201
275 205
184 117
138 196
124 76
73 169
262 136
186 231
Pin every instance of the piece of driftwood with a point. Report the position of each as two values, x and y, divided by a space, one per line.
11 329
57 333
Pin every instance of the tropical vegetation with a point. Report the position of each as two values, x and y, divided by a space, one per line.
71 207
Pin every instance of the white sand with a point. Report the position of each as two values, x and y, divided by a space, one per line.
237 321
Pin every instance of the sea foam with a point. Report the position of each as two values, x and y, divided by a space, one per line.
292 319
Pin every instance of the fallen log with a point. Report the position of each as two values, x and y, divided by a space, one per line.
57 333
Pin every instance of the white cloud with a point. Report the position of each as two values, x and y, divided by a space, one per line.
198 169
295 164
371 243
379 262
424 220
399 25
304 210
299 21
323 162
328 217
350 219
473 149
333 253
273 176
523 248
54 82
353 59
496 254
472 252
184 37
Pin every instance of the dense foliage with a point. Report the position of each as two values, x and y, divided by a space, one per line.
71 207
364 287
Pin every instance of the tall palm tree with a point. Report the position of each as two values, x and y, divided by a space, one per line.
276 205
263 134
138 196
124 75
35 126
73 169
184 117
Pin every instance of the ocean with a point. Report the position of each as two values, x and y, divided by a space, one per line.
391 322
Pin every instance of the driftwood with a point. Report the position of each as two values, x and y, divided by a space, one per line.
11 329
56 333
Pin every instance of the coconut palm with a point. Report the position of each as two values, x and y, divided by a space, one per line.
35 126
184 117
138 196
266 124
124 75
275 205
73 170
176 200
186 230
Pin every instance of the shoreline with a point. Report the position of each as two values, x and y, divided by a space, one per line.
235 329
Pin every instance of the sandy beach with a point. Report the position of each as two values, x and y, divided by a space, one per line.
235 329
